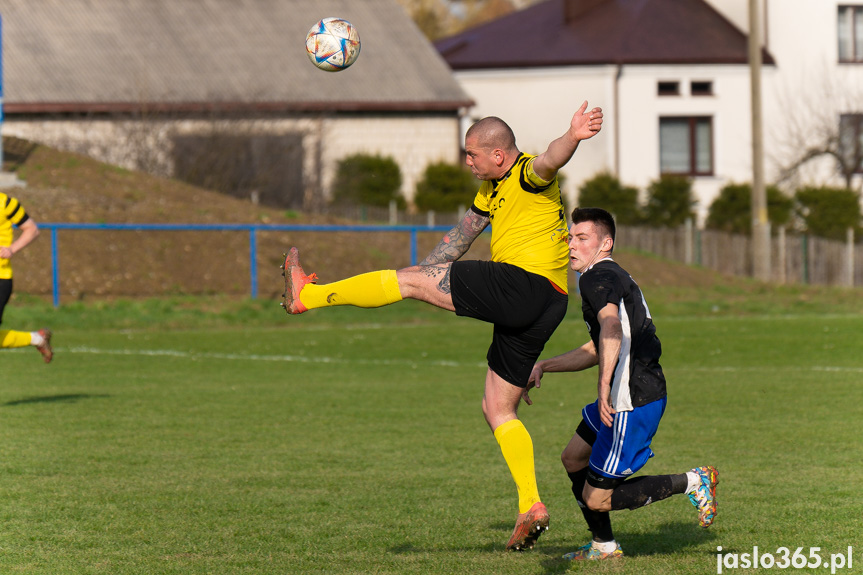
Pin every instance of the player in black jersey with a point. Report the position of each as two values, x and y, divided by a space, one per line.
612 442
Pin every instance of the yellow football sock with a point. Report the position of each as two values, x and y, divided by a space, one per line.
374 289
9 338
517 449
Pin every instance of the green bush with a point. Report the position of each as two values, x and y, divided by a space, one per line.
828 212
605 191
368 180
669 202
731 210
444 187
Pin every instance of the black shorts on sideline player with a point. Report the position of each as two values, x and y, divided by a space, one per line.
525 309
5 294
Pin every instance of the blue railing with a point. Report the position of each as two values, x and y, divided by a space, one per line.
252 229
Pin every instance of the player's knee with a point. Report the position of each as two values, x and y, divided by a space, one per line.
596 500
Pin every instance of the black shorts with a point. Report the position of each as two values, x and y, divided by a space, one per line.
5 294
525 309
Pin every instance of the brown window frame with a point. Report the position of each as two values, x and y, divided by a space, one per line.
692 122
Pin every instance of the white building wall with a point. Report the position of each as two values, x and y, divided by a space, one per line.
413 142
641 108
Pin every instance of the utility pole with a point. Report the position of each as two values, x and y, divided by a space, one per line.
760 224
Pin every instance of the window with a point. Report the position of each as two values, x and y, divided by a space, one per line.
850 33
668 88
686 146
851 140
702 88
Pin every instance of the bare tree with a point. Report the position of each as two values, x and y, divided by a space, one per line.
822 125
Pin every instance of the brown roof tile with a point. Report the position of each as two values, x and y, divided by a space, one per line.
600 32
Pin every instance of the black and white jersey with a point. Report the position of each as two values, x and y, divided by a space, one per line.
638 378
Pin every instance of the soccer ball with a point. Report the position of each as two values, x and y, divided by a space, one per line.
333 44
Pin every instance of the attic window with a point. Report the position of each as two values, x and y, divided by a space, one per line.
668 88
701 88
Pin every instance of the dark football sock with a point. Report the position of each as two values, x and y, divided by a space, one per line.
598 522
640 491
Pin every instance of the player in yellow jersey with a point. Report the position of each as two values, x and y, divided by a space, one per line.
12 213
522 291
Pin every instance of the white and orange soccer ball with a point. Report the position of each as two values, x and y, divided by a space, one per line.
333 44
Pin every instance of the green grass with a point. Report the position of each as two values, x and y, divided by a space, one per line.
216 436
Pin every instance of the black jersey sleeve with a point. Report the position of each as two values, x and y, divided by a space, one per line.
600 287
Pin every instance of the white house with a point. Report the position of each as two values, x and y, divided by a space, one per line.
672 77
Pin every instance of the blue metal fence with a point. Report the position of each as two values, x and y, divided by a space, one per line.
252 230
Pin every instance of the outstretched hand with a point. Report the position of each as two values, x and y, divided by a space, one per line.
586 124
533 381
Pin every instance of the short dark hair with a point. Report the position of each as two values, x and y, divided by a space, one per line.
492 133
598 216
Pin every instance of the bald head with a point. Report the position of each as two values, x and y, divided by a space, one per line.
492 133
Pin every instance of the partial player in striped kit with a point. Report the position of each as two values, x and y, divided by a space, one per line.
612 442
12 215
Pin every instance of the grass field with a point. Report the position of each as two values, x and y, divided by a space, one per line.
196 437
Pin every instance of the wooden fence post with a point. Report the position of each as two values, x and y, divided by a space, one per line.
849 257
687 242
780 238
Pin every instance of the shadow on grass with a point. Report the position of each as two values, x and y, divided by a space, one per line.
667 539
65 398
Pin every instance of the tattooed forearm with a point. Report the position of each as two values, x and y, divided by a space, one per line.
438 271
458 240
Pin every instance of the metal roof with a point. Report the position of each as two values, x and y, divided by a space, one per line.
594 32
114 55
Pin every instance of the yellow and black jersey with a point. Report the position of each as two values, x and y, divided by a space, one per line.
528 224
11 213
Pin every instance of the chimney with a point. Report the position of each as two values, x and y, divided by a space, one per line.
573 9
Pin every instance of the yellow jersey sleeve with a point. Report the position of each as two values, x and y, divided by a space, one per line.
11 213
533 179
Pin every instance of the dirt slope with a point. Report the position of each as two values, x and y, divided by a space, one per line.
64 187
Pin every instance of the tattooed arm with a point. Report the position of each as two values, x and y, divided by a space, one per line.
456 243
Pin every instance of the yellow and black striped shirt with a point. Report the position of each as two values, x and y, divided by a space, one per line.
11 213
528 224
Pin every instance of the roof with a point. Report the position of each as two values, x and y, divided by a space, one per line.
117 55
601 32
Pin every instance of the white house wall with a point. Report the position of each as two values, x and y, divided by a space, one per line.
414 143
641 108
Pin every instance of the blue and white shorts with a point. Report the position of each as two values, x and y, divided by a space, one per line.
622 449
